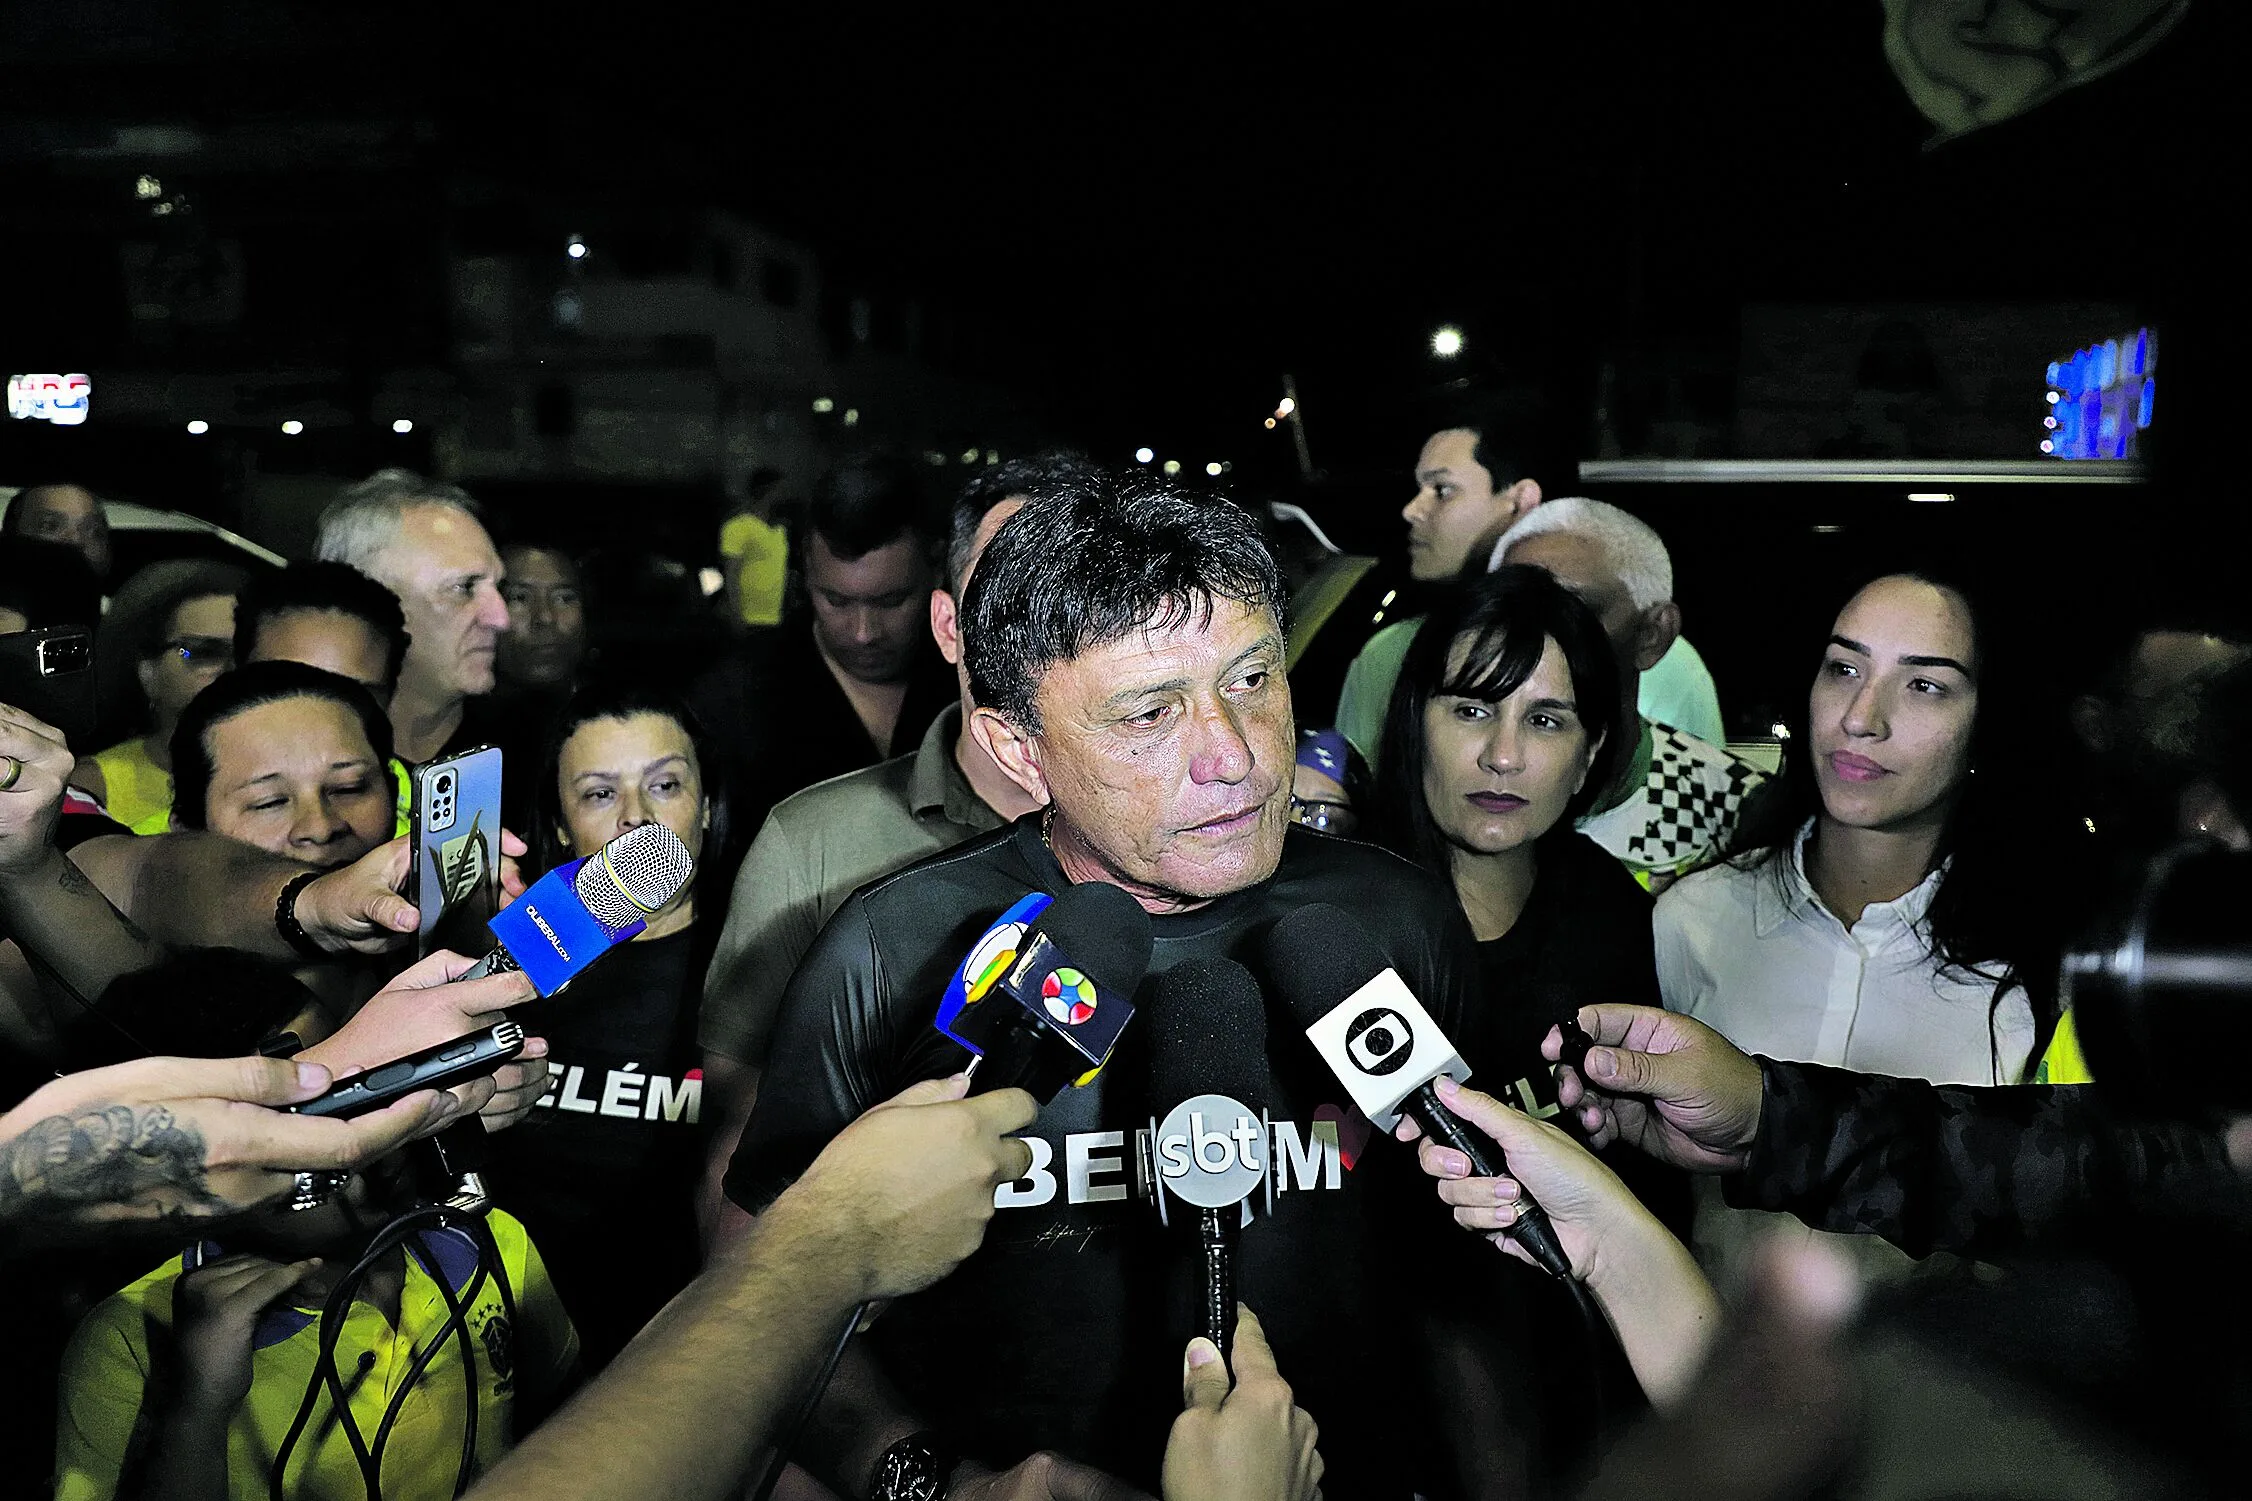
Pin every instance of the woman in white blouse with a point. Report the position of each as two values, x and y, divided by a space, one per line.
1897 926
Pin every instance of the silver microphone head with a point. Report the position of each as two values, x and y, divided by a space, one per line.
634 874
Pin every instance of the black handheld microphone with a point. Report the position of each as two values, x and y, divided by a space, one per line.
1208 1067
1384 1047
1053 1016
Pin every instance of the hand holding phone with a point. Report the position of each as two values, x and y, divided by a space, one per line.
437 1067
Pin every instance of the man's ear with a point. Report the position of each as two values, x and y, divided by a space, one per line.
145 670
946 627
1014 751
1659 628
1521 497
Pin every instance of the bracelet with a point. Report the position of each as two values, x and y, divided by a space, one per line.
285 917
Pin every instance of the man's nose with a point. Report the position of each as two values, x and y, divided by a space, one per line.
492 608
1221 753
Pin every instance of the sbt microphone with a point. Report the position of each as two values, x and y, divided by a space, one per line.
578 911
1207 1033
1384 1047
1050 1015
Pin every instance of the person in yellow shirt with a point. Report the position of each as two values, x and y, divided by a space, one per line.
170 631
190 1382
754 555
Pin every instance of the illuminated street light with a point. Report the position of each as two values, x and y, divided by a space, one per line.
824 405
199 427
1286 407
575 248
970 457
852 417
1144 455
402 425
292 427
1213 469
147 187
1931 496
1447 342
1172 466
1270 422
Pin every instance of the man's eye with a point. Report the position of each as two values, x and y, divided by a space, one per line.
269 805
1252 682
668 786
1147 718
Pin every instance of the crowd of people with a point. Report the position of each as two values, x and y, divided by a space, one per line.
1817 972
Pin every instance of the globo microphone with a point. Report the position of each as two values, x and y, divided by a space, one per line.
1051 1016
578 911
1384 1047
1207 1033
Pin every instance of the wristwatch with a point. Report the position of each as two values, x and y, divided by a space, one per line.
914 1469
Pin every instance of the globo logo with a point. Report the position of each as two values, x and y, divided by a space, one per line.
1379 1041
1212 1151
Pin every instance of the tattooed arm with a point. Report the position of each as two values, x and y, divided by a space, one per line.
180 1139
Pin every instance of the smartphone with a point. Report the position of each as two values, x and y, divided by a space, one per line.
455 880
48 673
439 1067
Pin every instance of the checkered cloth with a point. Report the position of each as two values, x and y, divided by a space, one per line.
1685 812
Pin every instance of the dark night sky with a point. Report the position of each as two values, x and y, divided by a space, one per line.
1145 221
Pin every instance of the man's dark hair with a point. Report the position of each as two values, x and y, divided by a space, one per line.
323 588
248 688
1517 437
1093 561
870 502
1042 474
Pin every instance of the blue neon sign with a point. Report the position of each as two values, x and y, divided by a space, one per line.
2100 397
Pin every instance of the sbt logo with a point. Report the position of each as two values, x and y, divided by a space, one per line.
1211 1151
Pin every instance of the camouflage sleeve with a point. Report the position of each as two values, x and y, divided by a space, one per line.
1976 1171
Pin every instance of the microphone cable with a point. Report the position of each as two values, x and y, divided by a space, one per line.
788 1438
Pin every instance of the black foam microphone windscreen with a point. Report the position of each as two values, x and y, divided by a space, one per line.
1206 1029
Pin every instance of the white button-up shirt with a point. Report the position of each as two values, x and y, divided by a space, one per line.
1754 955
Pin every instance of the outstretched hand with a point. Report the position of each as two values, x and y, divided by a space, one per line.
1245 1442
426 1004
183 1139
1659 1081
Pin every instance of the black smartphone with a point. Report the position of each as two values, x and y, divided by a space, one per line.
440 1067
48 672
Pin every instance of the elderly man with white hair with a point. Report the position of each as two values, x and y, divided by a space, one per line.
422 539
1678 798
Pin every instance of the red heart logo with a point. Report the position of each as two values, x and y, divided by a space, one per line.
1353 1130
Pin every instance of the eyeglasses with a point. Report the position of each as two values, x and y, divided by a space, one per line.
1320 813
203 651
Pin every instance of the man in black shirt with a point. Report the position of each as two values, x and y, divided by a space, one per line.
858 680
1126 656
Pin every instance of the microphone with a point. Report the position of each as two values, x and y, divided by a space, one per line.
1208 1052
578 911
1384 1047
1051 1015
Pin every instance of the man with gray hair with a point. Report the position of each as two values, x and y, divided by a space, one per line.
1678 799
422 540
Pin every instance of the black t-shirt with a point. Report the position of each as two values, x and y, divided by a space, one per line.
1065 1330
603 1173
1584 938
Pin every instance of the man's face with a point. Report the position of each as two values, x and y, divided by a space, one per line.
546 633
869 614
1455 513
332 641
447 577
70 515
1169 754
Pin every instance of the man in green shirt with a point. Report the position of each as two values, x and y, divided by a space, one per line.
1471 487
819 845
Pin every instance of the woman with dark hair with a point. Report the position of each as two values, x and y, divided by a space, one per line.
605 1173
168 634
1505 727
1897 915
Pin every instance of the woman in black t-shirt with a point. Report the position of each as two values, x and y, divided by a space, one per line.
1505 726
604 1172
